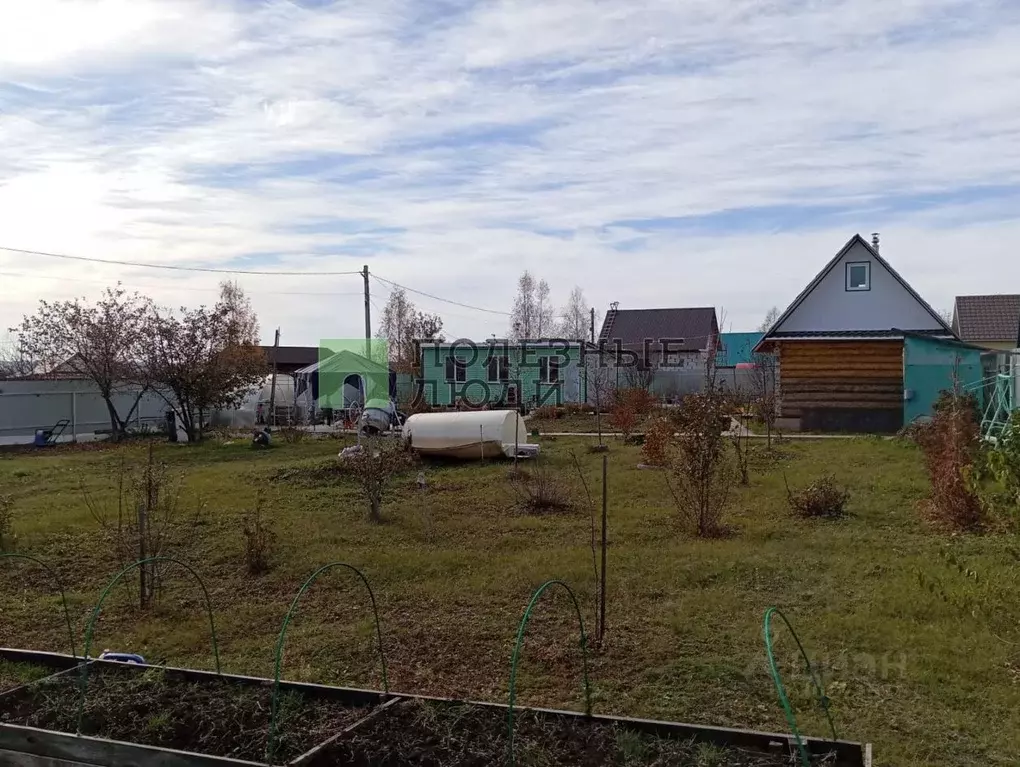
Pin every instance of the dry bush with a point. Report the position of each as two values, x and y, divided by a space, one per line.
951 445
546 413
259 538
640 399
658 437
540 491
6 523
700 463
373 465
576 408
822 498
623 418
291 434
148 520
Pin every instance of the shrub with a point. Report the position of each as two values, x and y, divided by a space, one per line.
623 418
951 445
1002 466
700 462
291 434
540 491
658 436
372 465
259 538
641 400
822 498
546 413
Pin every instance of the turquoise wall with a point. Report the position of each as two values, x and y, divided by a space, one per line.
524 372
737 347
928 369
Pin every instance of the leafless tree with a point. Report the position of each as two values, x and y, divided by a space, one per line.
764 391
14 361
100 342
403 326
545 322
575 317
600 389
242 324
770 319
532 315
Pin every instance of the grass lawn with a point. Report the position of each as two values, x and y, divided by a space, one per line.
917 677
576 422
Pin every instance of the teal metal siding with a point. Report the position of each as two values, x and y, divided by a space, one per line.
737 347
929 368
524 371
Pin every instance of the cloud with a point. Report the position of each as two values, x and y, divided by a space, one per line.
657 153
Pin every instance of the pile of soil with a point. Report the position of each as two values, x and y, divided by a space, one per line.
428 734
155 708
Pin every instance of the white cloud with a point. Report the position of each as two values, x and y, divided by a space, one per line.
506 135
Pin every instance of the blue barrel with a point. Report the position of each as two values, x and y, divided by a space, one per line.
41 436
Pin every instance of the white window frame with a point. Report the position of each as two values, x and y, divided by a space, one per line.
867 276
544 371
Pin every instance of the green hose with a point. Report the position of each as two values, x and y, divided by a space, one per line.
84 677
60 588
271 741
791 719
517 652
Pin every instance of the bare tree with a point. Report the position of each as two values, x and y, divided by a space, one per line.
545 323
100 342
770 319
523 316
764 391
14 361
575 317
195 365
242 324
600 390
403 325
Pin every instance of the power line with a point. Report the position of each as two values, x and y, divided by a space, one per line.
172 267
440 298
140 286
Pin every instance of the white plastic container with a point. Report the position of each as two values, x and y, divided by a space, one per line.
474 434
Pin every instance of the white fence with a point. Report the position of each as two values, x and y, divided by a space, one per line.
26 406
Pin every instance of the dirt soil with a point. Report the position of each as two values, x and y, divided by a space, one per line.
152 708
16 674
427 734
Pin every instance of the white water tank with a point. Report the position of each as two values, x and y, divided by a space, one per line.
473 434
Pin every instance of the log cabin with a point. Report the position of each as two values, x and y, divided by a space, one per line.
840 344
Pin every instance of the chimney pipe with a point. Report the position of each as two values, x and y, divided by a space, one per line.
874 240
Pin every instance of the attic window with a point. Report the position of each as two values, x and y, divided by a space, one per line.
858 275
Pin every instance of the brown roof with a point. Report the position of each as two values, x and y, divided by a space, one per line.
631 327
299 356
987 318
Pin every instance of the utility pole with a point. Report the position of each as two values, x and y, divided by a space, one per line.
368 315
593 324
271 421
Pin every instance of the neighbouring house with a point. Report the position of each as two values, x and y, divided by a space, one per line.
992 322
343 381
841 346
500 373
664 350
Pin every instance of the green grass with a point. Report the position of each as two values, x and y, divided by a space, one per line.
915 676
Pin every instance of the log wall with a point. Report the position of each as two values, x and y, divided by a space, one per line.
842 385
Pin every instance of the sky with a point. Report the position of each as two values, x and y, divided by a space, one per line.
657 153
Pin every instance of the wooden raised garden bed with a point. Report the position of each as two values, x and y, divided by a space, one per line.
148 715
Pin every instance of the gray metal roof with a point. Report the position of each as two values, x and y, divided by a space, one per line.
631 327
